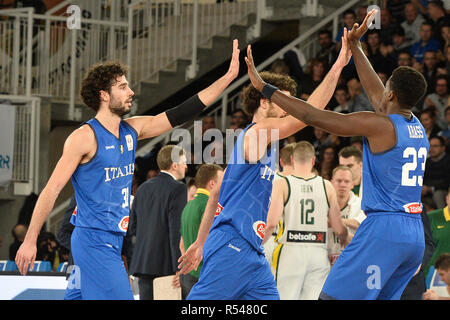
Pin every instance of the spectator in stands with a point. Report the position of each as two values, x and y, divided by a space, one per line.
358 98
404 59
327 161
352 157
428 120
349 19
191 189
18 232
436 178
388 26
47 249
239 119
383 77
152 172
321 139
399 43
279 66
438 100
155 220
378 54
446 131
327 50
361 14
396 8
430 65
315 73
439 17
207 177
440 228
412 24
342 97
426 42
445 36
442 266
357 142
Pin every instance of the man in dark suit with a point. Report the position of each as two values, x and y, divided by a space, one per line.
155 220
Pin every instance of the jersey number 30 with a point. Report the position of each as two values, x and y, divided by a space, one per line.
421 155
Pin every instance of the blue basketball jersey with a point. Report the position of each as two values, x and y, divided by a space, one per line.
103 185
392 180
245 194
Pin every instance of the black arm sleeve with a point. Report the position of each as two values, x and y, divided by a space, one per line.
185 111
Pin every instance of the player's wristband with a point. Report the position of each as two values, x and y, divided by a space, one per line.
268 90
186 111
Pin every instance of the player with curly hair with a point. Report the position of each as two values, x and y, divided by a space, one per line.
99 158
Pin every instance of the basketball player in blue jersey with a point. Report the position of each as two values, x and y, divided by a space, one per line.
388 248
99 158
234 264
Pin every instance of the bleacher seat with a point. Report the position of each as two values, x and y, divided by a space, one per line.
11 266
42 266
62 267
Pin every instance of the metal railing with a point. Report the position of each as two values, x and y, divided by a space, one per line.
26 143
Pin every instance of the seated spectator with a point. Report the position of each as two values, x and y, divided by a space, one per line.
357 142
239 119
349 19
279 66
18 232
438 100
358 98
342 97
321 139
428 120
430 65
388 26
399 43
426 42
327 162
445 36
383 77
446 131
314 75
442 266
404 59
361 14
436 178
396 8
327 50
439 17
412 24
378 54
47 249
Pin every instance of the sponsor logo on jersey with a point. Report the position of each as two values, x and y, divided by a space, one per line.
110 147
74 213
260 228
129 139
123 224
413 207
218 209
306 236
415 132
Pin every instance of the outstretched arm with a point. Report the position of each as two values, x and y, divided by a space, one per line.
279 195
369 79
151 126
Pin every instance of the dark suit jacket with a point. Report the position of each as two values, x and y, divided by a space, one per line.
155 220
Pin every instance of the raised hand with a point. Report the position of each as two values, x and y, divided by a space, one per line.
345 54
233 70
358 31
256 80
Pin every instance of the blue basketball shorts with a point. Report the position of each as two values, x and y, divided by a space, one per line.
379 262
233 270
99 272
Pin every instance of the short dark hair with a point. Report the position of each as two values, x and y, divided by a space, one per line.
430 111
409 86
341 87
427 23
349 11
101 76
443 261
251 96
441 140
325 31
351 151
399 31
206 173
